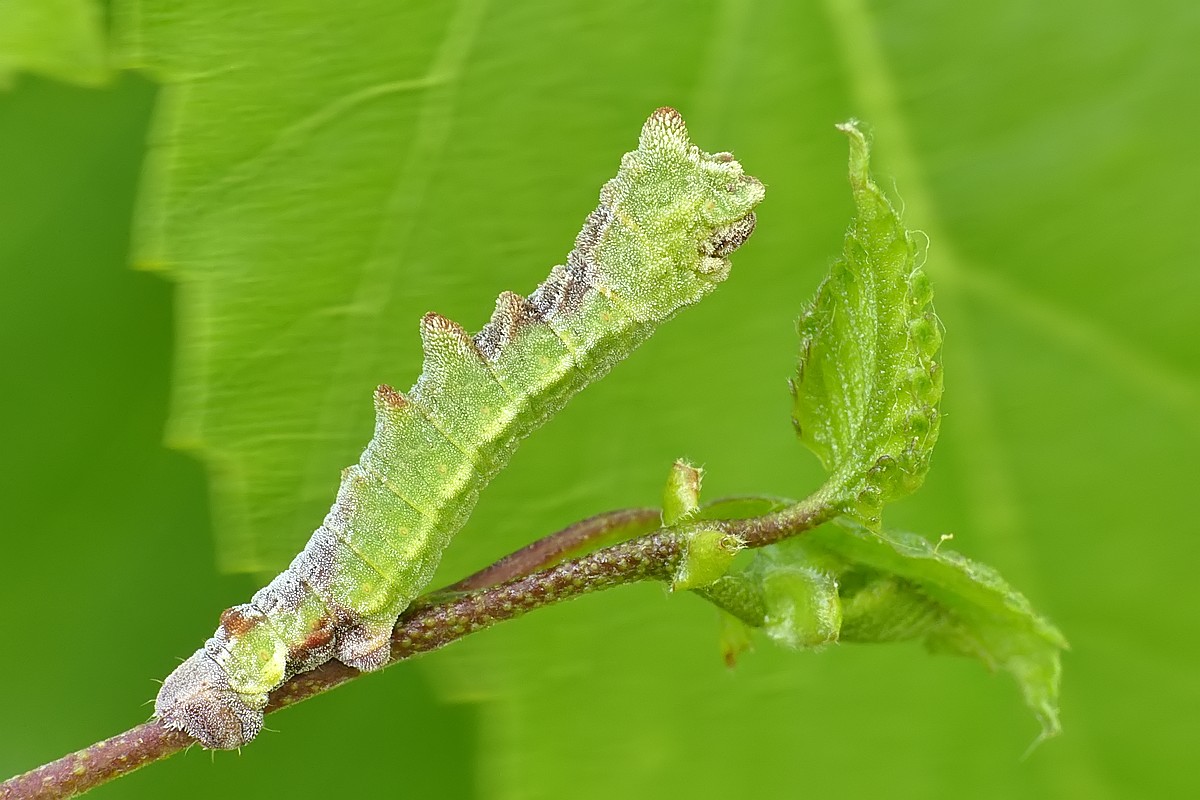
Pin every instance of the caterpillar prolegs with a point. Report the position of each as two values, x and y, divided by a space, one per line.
658 241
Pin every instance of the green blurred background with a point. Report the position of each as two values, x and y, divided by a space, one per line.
1047 149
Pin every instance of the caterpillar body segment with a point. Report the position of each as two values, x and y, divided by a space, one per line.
658 241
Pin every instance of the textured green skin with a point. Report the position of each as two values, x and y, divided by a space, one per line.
657 242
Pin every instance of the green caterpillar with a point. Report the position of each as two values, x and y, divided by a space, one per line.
658 241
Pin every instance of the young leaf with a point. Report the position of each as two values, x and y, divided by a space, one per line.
802 605
896 586
868 383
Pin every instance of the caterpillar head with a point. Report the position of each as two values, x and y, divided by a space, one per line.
677 213
196 698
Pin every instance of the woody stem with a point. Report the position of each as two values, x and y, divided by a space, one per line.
443 617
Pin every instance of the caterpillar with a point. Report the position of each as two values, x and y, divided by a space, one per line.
659 240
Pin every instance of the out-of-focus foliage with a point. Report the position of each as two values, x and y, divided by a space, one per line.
285 193
61 39
1044 148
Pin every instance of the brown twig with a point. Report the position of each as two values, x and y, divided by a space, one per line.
429 626
571 540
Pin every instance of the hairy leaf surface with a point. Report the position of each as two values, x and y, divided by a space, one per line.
868 382
845 583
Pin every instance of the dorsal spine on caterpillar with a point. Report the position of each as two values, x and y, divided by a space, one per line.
658 241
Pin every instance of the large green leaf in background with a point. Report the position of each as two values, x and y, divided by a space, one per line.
428 157
61 39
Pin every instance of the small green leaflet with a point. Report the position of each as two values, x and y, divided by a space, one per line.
868 383
844 583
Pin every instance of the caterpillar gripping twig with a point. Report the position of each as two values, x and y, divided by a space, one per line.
658 241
